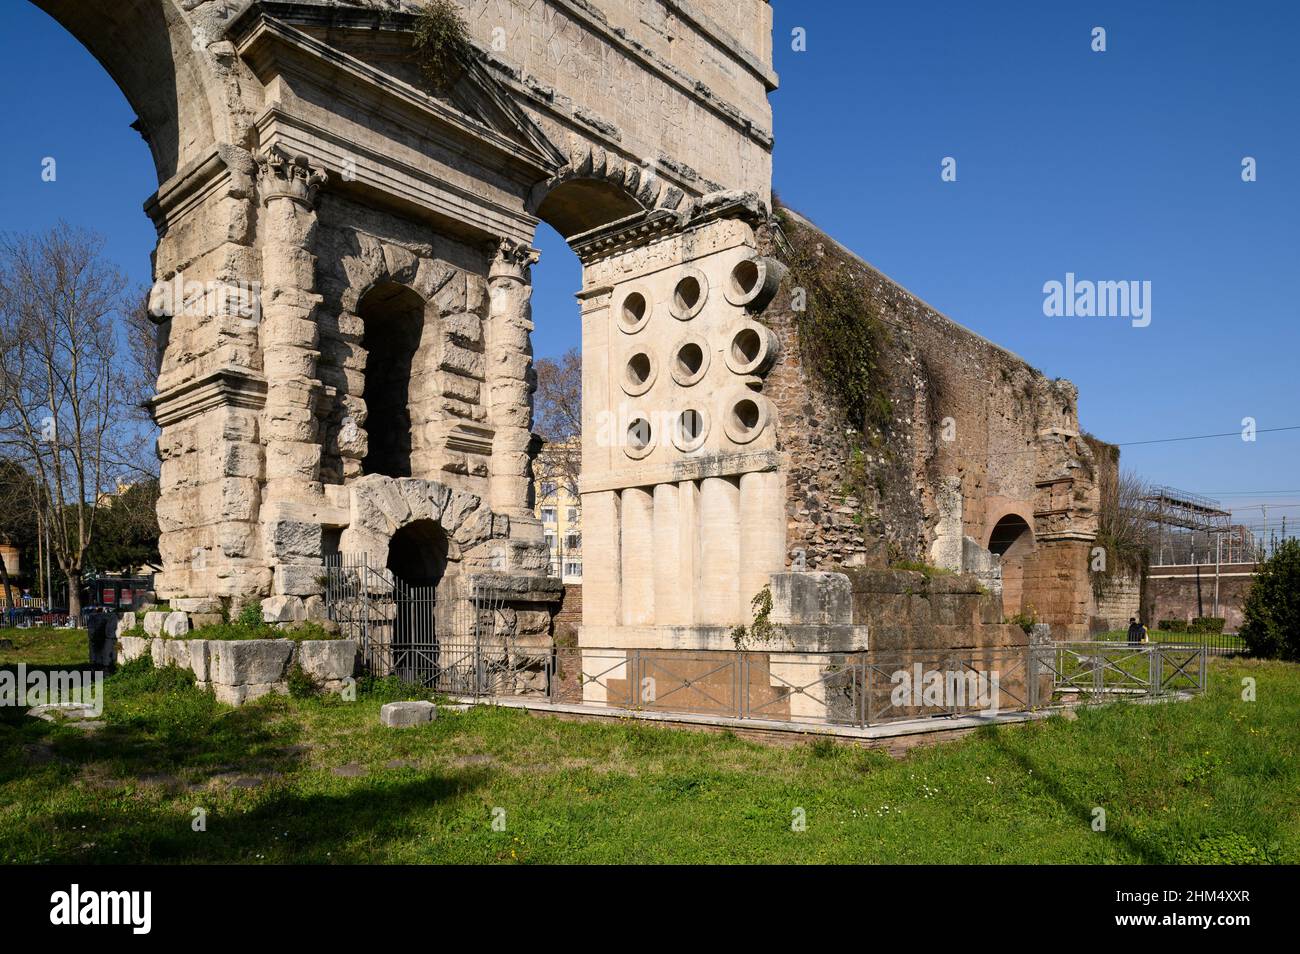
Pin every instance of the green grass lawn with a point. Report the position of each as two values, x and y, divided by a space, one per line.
287 780
45 646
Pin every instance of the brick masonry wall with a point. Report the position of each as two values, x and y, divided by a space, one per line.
934 370
1185 592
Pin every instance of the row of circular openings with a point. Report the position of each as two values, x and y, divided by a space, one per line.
749 279
745 420
751 351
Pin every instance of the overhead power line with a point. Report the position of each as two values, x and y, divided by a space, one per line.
1203 437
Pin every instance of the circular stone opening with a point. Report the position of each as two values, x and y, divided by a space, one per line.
744 279
688 297
638 369
745 415
690 359
634 311
639 435
746 347
690 425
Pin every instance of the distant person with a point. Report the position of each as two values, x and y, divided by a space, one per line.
1137 633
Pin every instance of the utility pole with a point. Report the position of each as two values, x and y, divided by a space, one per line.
1264 507
1218 552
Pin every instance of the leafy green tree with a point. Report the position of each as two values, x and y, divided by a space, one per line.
127 533
1272 612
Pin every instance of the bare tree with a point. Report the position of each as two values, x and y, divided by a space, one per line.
64 394
1124 524
559 420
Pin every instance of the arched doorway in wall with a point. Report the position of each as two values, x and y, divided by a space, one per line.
393 317
569 208
417 560
1012 539
417 554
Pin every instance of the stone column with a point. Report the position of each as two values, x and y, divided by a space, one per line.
762 535
292 492
638 554
719 580
509 378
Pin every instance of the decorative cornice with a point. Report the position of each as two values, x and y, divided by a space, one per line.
642 228
230 386
280 176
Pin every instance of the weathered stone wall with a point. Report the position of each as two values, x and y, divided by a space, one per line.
1119 600
239 671
964 416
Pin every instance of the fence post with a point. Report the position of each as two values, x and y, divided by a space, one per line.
867 677
1031 672
742 676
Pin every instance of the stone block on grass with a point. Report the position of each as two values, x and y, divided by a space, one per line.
398 715
249 662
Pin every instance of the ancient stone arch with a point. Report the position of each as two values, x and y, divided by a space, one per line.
305 166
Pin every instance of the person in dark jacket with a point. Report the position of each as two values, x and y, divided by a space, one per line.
1137 633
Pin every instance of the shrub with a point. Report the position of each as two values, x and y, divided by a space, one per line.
250 616
1173 625
1208 624
302 685
1025 621
441 42
1271 615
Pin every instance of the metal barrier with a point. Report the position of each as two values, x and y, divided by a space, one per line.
878 687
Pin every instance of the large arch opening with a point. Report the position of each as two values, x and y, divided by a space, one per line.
393 318
557 416
580 205
1012 539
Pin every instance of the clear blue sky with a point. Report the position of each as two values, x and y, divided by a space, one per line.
1117 165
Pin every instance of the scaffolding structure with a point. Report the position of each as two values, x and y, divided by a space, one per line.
1188 525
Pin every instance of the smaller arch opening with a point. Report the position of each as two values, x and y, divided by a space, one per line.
1008 532
392 316
417 554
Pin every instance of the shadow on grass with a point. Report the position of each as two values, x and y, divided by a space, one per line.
284 826
128 791
1043 776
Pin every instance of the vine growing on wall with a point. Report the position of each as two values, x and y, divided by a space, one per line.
842 341
762 630
840 334
441 42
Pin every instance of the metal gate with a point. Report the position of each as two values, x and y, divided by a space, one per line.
448 644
